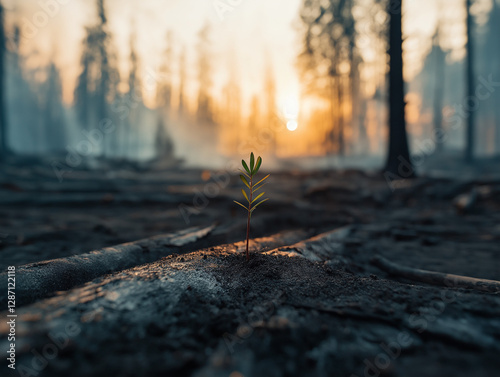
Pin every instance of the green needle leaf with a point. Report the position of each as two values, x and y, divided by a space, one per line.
258 188
258 197
255 206
263 179
240 204
244 180
252 163
245 195
244 172
245 166
257 166
247 177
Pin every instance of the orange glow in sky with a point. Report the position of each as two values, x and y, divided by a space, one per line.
247 37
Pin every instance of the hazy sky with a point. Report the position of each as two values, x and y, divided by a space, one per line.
254 33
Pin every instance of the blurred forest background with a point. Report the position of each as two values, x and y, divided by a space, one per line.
91 84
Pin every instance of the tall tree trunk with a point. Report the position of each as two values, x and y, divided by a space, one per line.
3 121
331 139
438 98
398 160
470 139
340 136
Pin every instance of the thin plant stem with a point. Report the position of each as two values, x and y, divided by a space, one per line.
249 214
249 173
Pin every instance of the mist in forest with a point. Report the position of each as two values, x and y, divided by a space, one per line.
108 83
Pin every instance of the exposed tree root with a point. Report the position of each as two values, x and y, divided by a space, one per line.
436 278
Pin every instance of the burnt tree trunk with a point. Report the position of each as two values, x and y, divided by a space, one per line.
340 136
398 159
469 136
438 96
3 122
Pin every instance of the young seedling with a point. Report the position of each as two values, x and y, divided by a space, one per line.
248 178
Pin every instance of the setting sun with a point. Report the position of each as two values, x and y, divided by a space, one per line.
292 125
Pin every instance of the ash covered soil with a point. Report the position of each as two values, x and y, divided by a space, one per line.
212 313
317 310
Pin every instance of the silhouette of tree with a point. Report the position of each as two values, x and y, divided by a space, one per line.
97 83
163 143
398 159
270 93
164 88
490 51
134 82
204 112
182 82
53 112
329 60
231 121
134 99
439 57
3 119
82 91
470 137
25 119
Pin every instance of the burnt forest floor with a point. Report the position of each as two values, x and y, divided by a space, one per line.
203 310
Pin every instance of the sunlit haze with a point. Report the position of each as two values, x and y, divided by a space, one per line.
250 36
251 45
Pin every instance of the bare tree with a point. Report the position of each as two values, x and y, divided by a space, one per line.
490 53
270 90
231 123
3 118
164 147
439 56
97 83
469 136
163 143
204 112
164 88
53 111
398 159
329 46
182 82
134 97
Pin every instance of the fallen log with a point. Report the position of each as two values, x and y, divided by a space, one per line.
92 198
323 247
436 278
40 280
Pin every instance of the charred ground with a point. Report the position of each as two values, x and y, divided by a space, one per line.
203 310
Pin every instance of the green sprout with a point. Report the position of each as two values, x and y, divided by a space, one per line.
248 179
